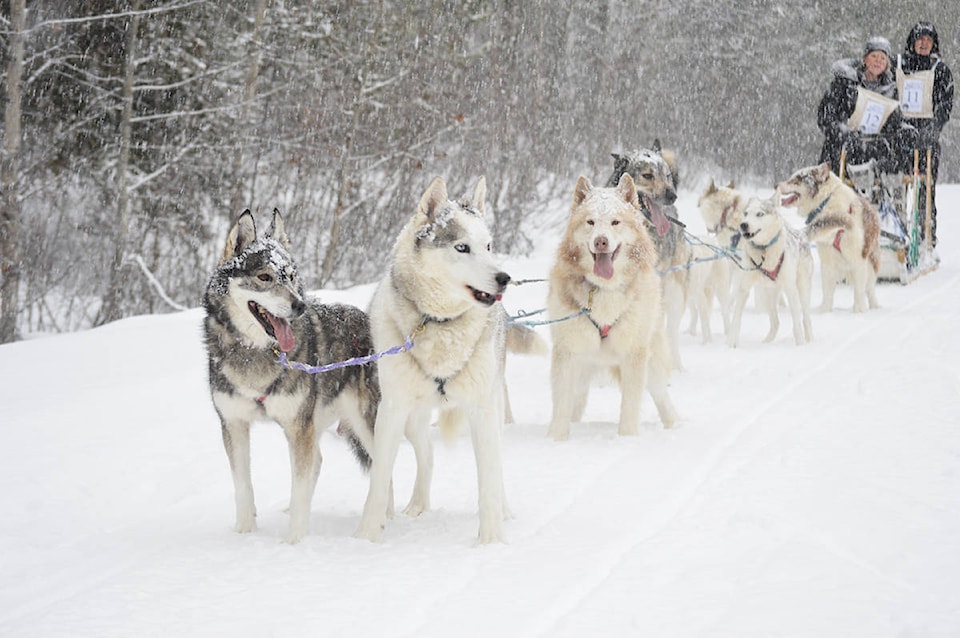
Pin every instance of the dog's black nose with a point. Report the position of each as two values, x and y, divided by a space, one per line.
298 307
744 227
669 196
502 279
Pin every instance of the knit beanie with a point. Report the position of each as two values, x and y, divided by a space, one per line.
878 43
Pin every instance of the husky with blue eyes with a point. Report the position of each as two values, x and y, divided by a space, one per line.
441 293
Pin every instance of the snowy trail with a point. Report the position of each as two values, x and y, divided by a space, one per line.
806 491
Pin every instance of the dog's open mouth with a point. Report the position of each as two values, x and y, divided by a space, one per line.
603 264
656 215
275 326
746 234
486 298
789 199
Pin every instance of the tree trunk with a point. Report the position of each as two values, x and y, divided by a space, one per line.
113 303
11 214
238 197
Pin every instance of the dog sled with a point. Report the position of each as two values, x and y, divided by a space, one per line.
904 203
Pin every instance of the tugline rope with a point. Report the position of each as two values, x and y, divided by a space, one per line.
355 361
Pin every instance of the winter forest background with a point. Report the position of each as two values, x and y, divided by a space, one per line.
135 131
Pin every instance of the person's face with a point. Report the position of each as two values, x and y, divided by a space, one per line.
876 63
923 45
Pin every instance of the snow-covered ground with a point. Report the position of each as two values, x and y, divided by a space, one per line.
807 491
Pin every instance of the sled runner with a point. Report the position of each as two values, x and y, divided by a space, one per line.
899 198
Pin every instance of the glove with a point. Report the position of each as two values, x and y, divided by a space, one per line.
851 140
928 137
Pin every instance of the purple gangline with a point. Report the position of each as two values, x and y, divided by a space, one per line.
356 361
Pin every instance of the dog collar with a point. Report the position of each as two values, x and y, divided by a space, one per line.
819 209
767 245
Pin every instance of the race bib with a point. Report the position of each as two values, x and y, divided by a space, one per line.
871 112
916 94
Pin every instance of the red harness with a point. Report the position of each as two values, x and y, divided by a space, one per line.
836 240
773 274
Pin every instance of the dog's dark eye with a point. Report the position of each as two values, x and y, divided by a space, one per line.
589 222
264 277
648 176
462 248
615 222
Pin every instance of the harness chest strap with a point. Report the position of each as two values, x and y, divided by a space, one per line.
604 329
836 240
771 274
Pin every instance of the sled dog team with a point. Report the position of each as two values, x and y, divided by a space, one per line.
435 336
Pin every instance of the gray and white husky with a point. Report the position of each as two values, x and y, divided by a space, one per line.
255 308
442 288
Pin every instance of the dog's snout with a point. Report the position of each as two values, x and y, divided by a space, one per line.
502 279
601 244
744 227
298 307
670 196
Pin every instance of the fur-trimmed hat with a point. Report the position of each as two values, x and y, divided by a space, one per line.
878 43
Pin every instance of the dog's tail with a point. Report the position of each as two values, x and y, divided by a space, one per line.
525 340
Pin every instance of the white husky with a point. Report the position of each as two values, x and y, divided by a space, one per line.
778 259
442 289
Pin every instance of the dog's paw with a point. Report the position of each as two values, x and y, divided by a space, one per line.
415 509
628 430
372 534
488 536
245 527
559 432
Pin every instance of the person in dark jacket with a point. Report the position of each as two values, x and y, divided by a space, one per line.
926 90
860 112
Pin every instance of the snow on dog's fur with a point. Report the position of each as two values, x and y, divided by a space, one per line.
442 287
656 176
605 301
255 306
846 228
777 258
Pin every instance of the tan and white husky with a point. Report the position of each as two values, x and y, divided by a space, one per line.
605 300
846 228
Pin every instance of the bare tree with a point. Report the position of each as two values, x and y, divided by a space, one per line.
112 303
10 217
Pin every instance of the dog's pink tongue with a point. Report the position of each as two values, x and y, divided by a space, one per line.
660 221
603 265
283 332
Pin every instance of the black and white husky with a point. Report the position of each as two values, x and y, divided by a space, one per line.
442 288
255 308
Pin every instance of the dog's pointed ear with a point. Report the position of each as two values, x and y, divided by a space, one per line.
730 185
278 230
711 189
822 171
656 145
581 190
628 190
241 235
433 199
480 195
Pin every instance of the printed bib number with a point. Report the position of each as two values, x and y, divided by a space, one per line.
916 94
872 112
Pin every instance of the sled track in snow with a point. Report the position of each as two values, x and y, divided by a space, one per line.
680 495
